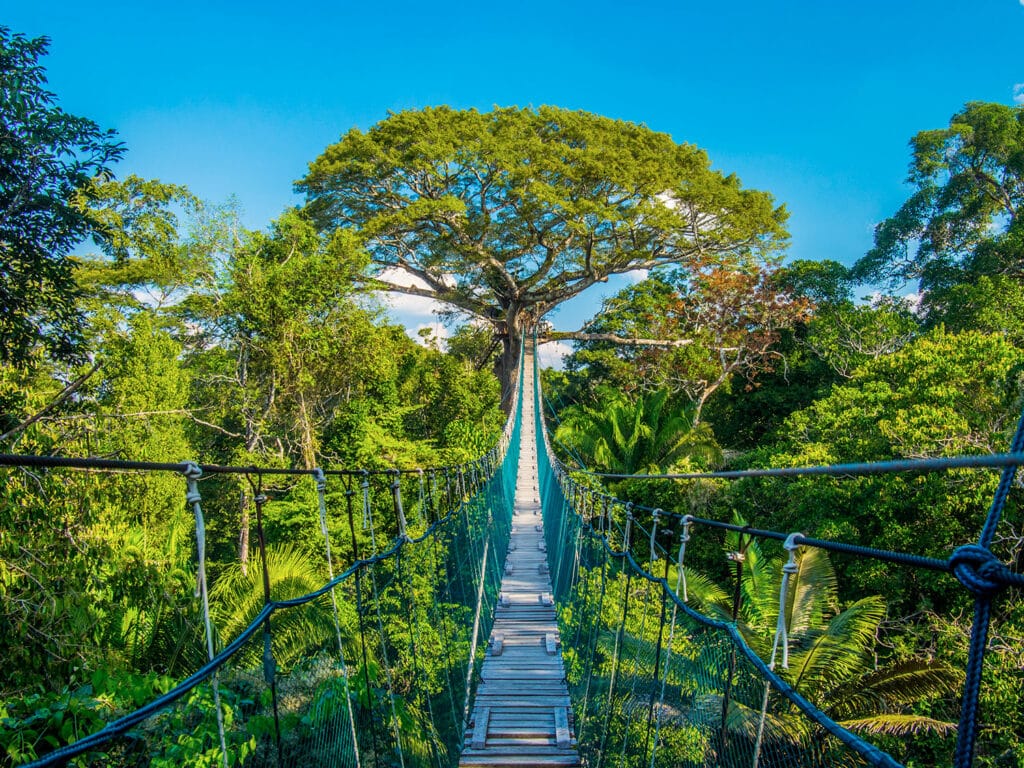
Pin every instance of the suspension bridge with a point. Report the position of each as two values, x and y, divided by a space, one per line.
506 613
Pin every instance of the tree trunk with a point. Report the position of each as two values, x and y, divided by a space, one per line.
506 365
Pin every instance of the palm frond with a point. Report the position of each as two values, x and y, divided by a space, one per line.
811 593
899 684
899 725
824 660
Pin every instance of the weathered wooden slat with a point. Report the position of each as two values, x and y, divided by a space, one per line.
562 728
483 714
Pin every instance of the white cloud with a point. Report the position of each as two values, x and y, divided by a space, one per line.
553 354
636 275
1018 88
414 312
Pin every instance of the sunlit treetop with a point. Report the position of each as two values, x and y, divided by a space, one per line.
506 214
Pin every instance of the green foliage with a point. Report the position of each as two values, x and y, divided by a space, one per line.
845 336
647 435
966 205
38 723
833 651
694 331
941 395
237 597
48 157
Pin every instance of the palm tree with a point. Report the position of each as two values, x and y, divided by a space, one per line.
832 660
628 437
237 598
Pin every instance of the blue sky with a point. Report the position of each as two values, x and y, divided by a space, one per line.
812 101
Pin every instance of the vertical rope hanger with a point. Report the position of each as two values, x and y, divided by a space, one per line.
360 614
680 584
269 664
781 636
321 493
738 557
194 500
368 512
626 542
661 635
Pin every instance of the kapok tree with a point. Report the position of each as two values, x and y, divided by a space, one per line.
504 215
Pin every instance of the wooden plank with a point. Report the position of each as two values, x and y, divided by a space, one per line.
523 699
497 643
480 727
562 728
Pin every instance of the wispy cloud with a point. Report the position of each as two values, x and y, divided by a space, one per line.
1018 89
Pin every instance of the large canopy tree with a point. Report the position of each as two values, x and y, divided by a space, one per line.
964 216
504 215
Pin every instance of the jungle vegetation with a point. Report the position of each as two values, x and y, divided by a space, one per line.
183 335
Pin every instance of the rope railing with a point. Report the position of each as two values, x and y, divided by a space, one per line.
374 667
709 698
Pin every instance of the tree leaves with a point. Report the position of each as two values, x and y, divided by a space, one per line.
46 158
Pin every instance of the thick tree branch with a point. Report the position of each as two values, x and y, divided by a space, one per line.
448 296
610 337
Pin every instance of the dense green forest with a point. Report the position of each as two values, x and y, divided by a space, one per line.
182 335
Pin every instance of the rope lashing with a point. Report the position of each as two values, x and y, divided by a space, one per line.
683 538
321 489
396 493
194 499
655 513
628 533
981 572
781 630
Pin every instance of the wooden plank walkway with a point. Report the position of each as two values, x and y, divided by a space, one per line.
522 714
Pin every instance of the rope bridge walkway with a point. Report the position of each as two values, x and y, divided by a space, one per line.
504 612
522 714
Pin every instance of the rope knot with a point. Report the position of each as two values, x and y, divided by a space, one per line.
981 572
192 473
654 532
791 545
687 522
